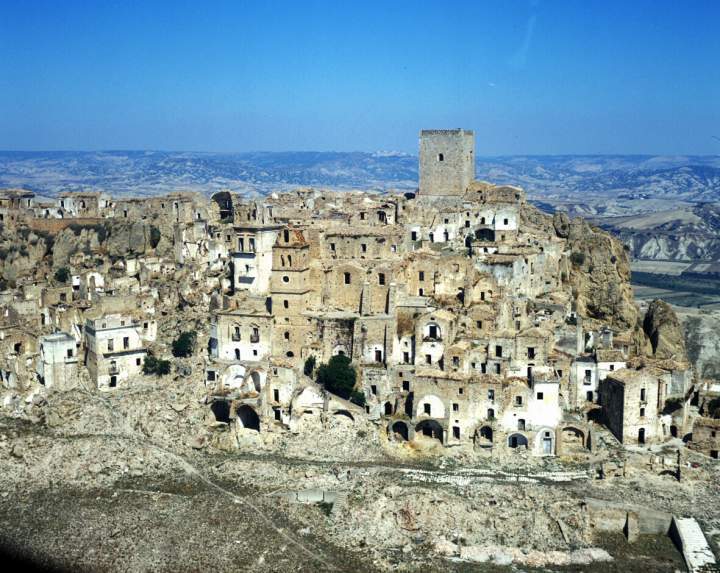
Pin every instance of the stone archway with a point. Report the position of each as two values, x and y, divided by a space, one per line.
430 429
400 430
221 410
517 440
248 418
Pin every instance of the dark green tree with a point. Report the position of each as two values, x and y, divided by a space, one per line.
337 376
153 365
184 345
62 275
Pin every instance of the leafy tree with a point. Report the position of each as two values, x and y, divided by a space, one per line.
184 345
155 236
309 365
153 365
357 398
337 376
62 275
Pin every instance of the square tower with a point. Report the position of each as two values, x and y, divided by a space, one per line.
447 161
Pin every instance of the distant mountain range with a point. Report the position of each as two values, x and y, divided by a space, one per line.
581 184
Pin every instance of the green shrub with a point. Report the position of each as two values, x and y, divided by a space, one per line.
184 345
337 376
62 275
156 366
155 236
577 258
357 397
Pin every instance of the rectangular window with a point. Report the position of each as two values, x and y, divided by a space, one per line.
478 323
456 432
406 357
428 359
276 395
378 356
413 236
381 278
456 407
252 245
491 395
483 367
347 278
137 362
126 342
241 244
406 386
111 344
539 395
421 292
363 247
69 352
373 389
642 394
498 351
531 352
426 408
421 275
518 400
456 361
497 369
211 375
332 247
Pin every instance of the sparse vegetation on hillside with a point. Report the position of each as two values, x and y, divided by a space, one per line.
62 275
156 366
184 345
338 376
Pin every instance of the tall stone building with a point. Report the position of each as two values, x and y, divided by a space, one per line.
447 162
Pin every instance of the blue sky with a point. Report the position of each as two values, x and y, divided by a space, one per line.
530 77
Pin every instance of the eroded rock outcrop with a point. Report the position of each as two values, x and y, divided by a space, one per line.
600 275
663 329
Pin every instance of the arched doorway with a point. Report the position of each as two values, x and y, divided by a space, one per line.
388 409
221 410
674 431
484 437
400 430
641 436
545 442
344 414
248 418
430 429
573 440
517 441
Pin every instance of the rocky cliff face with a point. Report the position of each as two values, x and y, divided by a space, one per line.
702 341
663 329
600 274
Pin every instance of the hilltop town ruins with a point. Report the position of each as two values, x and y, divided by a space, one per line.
477 327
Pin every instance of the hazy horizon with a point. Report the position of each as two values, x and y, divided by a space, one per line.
539 78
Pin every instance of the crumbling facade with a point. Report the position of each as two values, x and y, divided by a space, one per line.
459 308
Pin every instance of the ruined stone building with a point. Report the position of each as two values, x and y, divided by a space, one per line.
470 317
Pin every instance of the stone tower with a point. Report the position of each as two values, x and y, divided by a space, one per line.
447 162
